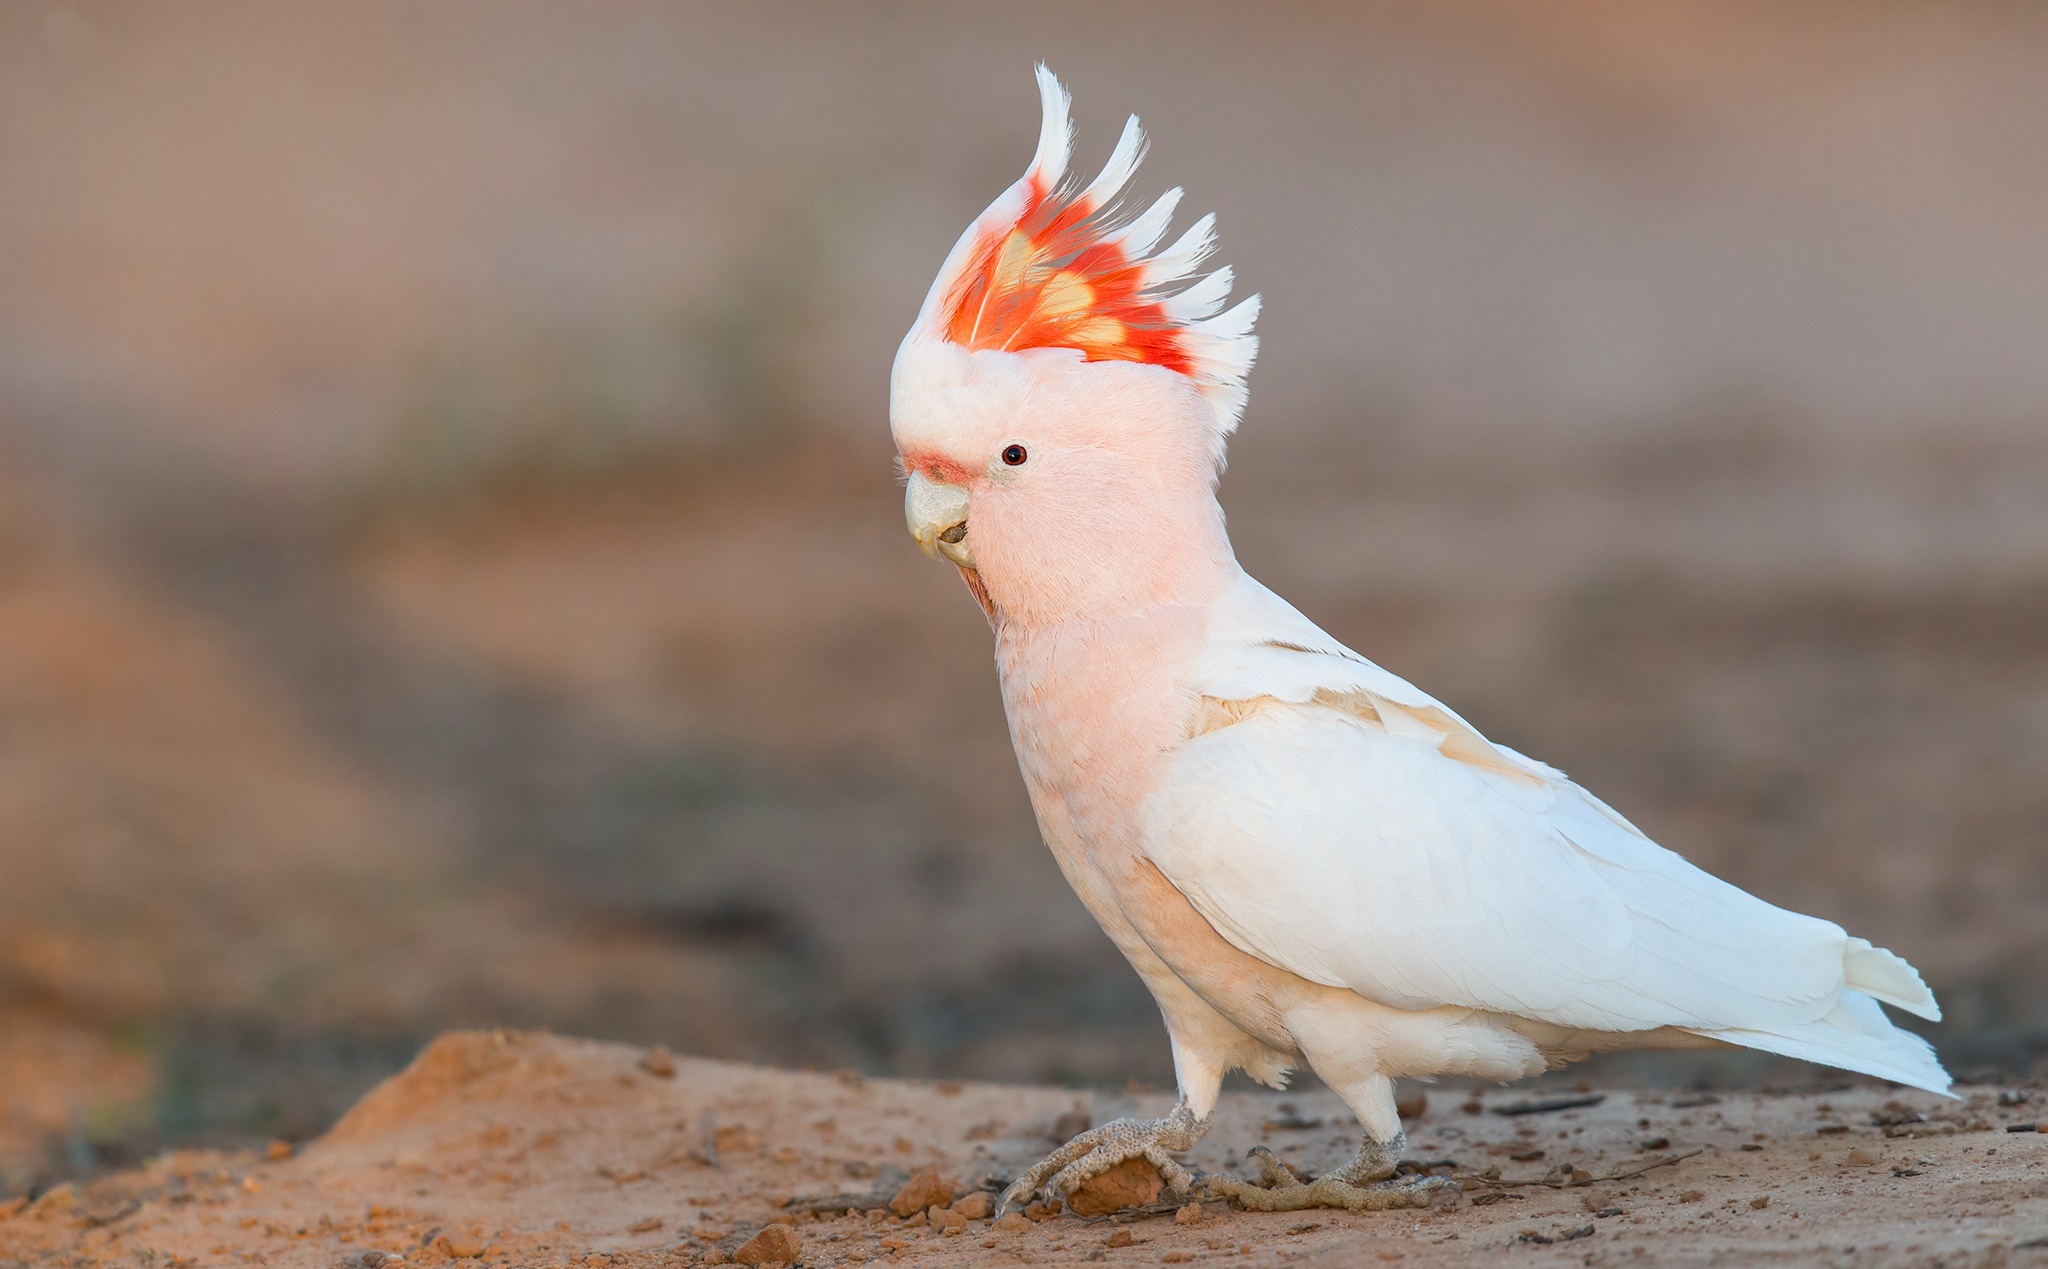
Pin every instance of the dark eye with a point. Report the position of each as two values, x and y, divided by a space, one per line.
1014 455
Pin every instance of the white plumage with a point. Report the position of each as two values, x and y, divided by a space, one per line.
1351 830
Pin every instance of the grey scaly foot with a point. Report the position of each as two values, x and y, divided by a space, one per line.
1099 1149
1366 1184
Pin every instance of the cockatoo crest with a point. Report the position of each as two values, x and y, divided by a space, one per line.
1052 264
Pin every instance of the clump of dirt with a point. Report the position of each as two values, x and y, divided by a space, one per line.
529 1148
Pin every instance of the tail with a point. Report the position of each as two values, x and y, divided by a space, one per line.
1887 977
1855 1035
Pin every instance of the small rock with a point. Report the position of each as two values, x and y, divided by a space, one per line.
1132 1183
1760 1202
920 1192
1190 1215
458 1247
732 1138
975 1206
1041 1211
647 1226
279 1149
775 1245
1014 1223
945 1219
659 1062
1122 1238
60 1199
1858 1157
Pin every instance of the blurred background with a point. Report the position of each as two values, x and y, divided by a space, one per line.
452 571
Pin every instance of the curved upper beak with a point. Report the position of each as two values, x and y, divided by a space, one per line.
937 514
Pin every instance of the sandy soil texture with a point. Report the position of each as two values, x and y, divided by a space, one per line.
512 1148
452 573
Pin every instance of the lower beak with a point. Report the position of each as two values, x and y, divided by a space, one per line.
937 514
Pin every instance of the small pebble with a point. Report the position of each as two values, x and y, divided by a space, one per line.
776 1245
975 1206
920 1192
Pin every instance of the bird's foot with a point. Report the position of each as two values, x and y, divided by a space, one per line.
1098 1150
1281 1189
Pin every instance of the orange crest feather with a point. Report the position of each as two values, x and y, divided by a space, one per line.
1057 280
1049 265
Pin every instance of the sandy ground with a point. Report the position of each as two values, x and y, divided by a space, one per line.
530 1148
452 575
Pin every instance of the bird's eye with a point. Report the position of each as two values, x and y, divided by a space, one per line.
1014 455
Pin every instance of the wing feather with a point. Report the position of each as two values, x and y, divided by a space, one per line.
1337 822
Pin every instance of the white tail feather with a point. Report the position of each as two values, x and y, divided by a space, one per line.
1886 975
1855 1036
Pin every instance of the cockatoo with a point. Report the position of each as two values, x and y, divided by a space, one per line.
1305 857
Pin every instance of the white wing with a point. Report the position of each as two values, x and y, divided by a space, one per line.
1335 821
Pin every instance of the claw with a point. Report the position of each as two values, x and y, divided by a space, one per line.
1097 1150
1296 1195
1100 1160
1272 1172
1363 1185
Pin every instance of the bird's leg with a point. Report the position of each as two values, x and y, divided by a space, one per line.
1327 1033
1366 1184
1099 1149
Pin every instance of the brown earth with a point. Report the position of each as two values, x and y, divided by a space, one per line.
451 574
502 1148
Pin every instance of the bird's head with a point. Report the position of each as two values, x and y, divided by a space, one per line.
1062 403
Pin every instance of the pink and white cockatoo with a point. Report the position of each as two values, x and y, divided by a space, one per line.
1306 858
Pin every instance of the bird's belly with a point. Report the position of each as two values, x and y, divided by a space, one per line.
1199 977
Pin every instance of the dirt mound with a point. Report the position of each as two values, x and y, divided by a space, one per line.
523 1148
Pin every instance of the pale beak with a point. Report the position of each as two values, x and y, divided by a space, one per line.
937 514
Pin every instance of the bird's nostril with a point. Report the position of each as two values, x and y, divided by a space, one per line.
952 536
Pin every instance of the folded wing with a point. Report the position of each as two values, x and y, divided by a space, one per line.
1336 822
